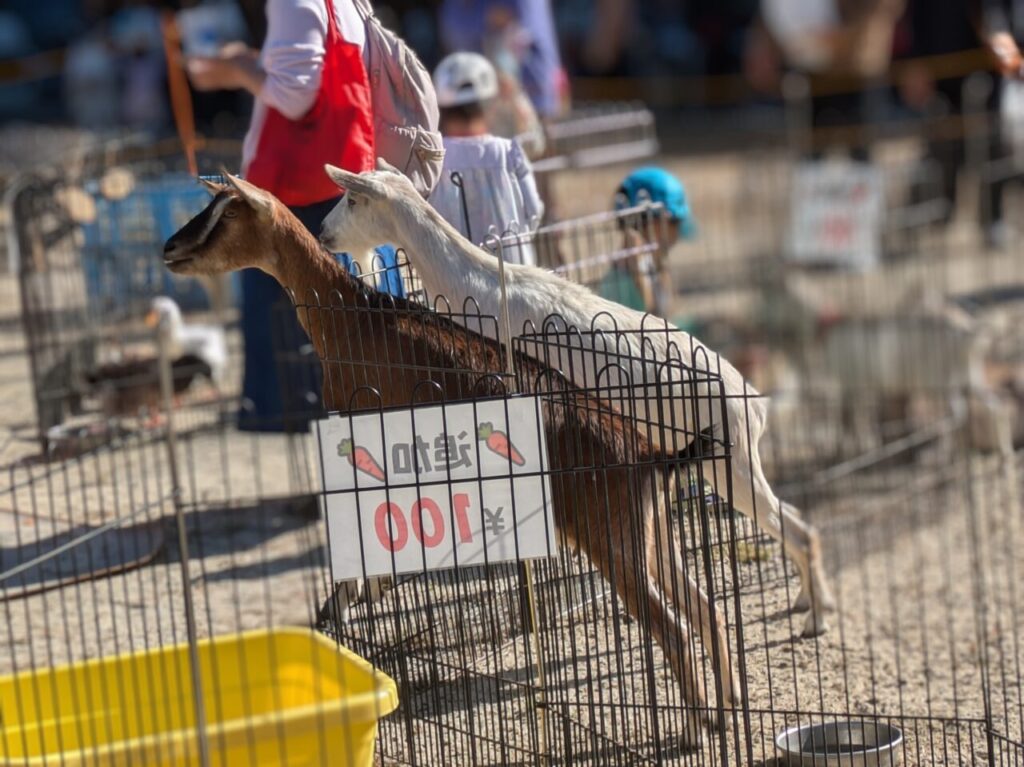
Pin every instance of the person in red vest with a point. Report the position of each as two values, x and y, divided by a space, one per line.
313 105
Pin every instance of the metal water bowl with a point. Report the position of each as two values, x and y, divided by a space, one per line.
841 743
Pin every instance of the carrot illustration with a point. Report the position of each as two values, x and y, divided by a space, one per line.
361 458
498 442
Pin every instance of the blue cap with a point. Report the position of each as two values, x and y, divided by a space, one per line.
658 185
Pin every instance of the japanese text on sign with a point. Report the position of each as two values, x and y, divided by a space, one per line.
436 486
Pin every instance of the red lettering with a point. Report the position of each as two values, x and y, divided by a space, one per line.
426 504
461 503
397 525
393 529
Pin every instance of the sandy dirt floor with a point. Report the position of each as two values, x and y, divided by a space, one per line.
902 649
921 550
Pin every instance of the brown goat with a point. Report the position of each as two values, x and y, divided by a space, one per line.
607 510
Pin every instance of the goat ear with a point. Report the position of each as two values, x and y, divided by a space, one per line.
356 182
342 178
258 199
384 165
212 186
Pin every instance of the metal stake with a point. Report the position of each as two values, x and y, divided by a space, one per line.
526 568
457 182
167 395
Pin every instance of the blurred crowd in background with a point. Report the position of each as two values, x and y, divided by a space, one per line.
100 64
104 54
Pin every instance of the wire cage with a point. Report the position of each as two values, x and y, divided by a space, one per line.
158 592
887 431
492 663
87 246
488 679
598 134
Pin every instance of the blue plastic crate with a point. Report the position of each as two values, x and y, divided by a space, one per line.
122 246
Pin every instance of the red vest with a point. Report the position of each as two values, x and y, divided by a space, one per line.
290 154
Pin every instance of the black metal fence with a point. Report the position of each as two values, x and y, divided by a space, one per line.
494 658
599 134
885 429
87 253
575 677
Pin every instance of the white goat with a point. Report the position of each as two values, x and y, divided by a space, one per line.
936 351
383 206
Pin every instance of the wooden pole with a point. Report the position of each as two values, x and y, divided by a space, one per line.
181 99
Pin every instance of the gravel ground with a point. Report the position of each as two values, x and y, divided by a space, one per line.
903 646
911 547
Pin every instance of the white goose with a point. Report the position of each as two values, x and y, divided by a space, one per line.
207 342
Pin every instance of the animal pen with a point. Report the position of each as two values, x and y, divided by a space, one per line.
559 655
599 134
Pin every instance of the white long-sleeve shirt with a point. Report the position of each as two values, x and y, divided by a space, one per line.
499 189
293 58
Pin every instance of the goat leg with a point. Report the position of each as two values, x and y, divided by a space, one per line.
665 562
616 548
753 497
338 605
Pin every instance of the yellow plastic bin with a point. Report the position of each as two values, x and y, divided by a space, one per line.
277 697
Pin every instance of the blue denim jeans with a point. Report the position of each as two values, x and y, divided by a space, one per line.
281 385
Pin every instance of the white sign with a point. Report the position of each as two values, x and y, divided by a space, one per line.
836 214
436 486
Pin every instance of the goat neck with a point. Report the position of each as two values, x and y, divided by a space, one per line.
437 250
313 276
302 266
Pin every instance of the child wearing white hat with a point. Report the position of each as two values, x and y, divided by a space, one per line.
487 180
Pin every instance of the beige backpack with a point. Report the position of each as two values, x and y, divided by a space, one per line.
405 113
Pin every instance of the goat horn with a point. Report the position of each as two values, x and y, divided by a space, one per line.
232 180
240 185
211 186
341 177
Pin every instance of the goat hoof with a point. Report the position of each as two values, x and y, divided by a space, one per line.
733 696
803 602
815 625
333 614
714 722
692 737
828 603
